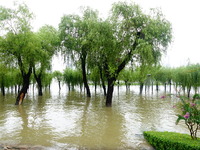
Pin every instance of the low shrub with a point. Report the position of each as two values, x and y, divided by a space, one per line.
171 141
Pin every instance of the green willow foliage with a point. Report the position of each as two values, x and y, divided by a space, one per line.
184 77
9 77
72 78
28 51
100 48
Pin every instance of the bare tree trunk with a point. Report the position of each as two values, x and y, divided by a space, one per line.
188 91
3 89
25 86
110 90
83 63
59 85
95 87
157 87
170 87
40 93
165 87
39 81
102 81
141 87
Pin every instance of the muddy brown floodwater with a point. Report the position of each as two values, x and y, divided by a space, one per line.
70 120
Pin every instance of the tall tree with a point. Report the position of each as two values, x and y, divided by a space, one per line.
59 77
129 34
48 41
75 35
3 73
18 42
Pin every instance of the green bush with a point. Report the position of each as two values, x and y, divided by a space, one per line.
171 141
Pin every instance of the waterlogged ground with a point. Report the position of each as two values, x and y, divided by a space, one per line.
69 120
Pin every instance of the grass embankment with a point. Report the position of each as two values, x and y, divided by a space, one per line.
171 141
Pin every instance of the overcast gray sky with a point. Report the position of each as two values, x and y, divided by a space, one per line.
183 14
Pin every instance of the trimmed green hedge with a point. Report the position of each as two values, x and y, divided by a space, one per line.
171 141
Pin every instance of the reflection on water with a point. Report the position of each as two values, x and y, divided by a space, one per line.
71 120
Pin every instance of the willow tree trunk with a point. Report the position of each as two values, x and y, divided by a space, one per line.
102 81
59 85
3 90
141 87
110 90
188 91
2 85
157 88
165 87
25 86
95 87
83 65
39 81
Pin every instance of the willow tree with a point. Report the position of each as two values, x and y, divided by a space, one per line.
187 77
127 75
95 77
72 78
47 42
3 76
59 77
75 36
18 42
195 73
129 34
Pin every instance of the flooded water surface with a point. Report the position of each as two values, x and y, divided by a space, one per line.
70 120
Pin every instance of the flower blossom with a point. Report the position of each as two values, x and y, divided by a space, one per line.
163 97
192 104
187 115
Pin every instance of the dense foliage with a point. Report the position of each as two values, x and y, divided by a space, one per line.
184 78
24 49
171 141
72 78
128 34
101 49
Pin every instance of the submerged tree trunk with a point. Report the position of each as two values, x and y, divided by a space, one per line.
15 88
69 87
95 87
157 87
40 93
165 87
170 86
102 81
39 81
25 86
110 90
188 91
141 87
59 85
3 89
83 63
3 85
126 84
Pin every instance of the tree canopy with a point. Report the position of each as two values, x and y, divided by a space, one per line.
101 48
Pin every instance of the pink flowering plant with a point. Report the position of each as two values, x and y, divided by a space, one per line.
190 114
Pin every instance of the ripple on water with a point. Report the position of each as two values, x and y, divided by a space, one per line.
73 121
